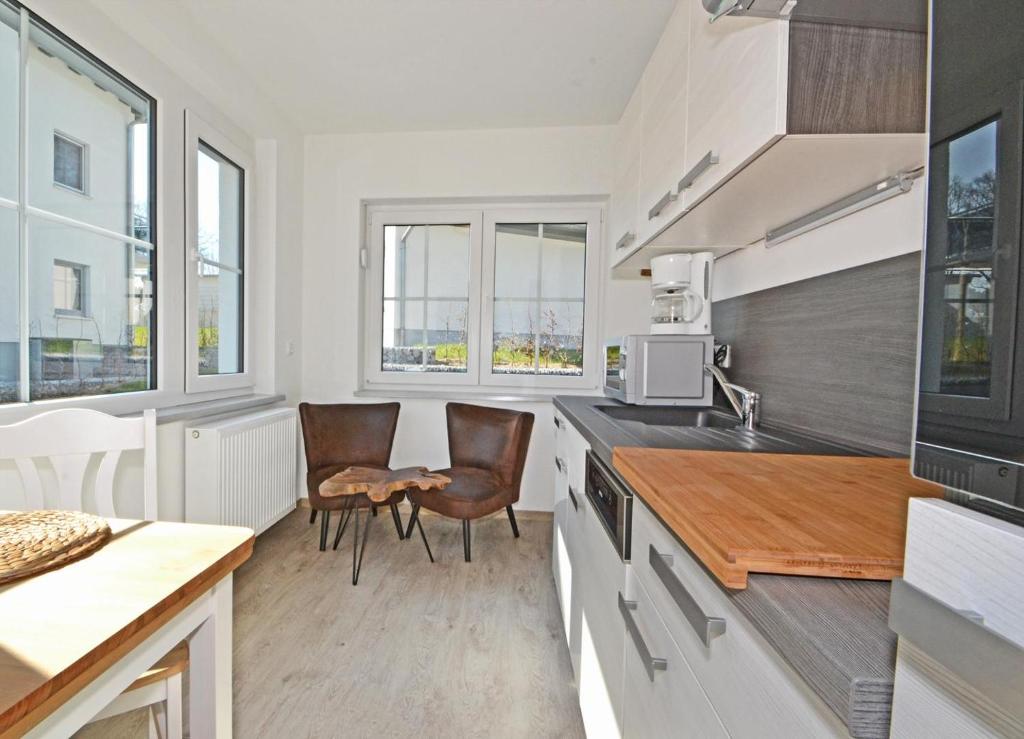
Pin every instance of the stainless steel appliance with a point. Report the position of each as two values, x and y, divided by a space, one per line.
970 409
613 503
659 370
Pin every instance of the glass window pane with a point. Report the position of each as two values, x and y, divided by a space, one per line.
563 259
446 335
220 195
515 337
103 346
516 260
961 283
426 261
403 336
539 278
9 332
8 102
560 345
448 261
88 142
220 321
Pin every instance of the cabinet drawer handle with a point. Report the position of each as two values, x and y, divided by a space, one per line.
960 642
559 464
698 169
626 608
558 424
627 238
655 211
572 499
707 627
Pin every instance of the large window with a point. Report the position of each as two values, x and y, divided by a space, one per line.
216 207
491 297
76 220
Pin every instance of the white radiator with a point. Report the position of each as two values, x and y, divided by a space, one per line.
241 471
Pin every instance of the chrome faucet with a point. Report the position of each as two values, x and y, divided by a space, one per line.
747 405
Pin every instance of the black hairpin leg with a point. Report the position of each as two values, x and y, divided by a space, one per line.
357 564
324 524
398 520
374 509
465 538
424 537
413 518
342 524
312 516
512 520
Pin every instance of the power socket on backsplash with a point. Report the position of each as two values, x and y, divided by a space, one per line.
723 355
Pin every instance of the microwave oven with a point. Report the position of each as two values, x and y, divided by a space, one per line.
659 370
969 433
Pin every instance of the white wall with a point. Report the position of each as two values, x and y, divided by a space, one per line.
342 170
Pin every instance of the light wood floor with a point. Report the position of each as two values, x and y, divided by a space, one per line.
450 649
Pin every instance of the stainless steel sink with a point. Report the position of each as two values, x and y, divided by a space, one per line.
674 416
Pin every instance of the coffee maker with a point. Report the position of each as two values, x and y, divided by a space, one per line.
681 293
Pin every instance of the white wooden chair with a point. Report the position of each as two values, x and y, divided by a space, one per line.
69 439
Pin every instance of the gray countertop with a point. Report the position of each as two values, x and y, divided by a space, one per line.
833 632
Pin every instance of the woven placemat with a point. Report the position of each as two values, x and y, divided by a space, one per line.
34 541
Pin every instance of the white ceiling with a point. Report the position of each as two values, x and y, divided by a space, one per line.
340 66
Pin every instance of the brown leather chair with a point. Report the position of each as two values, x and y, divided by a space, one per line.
342 435
487 448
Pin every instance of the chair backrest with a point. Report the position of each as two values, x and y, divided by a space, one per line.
493 439
348 433
69 439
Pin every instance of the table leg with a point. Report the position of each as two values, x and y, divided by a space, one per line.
210 669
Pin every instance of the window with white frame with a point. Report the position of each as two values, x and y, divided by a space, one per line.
69 285
489 297
69 162
218 233
63 255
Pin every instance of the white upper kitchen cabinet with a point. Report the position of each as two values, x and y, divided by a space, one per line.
663 127
623 209
748 124
736 101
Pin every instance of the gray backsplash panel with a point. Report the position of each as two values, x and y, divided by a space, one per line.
834 355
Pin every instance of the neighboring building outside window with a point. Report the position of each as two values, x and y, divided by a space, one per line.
489 297
88 282
69 163
70 283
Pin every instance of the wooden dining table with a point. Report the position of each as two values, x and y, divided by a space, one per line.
72 639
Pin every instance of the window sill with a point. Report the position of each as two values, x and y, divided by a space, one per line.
487 395
170 406
207 408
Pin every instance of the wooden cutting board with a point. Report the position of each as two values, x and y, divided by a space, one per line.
789 514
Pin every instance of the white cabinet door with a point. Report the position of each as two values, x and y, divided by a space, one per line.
603 633
662 697
622 210
960 617
663 141
737 93
753 691
561 565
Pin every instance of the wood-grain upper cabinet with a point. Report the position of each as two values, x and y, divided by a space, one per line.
736 101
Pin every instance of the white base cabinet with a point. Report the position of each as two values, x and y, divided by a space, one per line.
959 612
719 679
661 695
